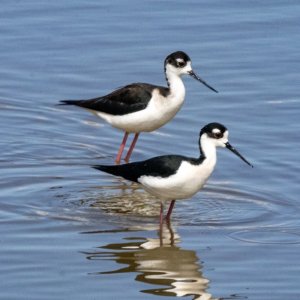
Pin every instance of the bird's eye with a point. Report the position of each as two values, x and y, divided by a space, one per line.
217 135
180 64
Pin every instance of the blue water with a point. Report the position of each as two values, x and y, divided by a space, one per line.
70 232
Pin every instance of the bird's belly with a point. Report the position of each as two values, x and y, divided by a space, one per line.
182 185
151 118
178 192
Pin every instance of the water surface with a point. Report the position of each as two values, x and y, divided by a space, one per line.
69 231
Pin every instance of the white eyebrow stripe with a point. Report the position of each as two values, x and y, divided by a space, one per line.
216 130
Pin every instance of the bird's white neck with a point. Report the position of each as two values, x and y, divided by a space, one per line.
208 150
175 84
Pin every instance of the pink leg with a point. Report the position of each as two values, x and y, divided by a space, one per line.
161 215
131 147
122 146
170 210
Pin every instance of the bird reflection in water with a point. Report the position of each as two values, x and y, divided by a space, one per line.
159 262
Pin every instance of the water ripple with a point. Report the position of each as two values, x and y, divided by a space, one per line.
267 236
228 207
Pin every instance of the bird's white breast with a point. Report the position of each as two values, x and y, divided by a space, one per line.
187 181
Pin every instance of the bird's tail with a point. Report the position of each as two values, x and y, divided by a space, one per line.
68 102
112 169
128 171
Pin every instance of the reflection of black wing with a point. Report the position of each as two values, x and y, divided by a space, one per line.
128 99
160 166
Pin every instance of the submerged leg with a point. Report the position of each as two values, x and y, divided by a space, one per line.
161 215
131 147
121 149
170 210
161 220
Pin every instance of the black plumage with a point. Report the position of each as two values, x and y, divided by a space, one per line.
128 99
160 166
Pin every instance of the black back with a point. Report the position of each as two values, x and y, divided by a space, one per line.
128 99
160 166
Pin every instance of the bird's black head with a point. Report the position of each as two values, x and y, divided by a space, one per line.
216 135
179 63
214 130
177 59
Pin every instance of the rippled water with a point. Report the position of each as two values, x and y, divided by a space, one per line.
69 231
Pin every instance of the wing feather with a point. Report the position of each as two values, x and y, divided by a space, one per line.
127 99
160 166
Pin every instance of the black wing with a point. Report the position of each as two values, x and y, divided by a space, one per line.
160 166
128 99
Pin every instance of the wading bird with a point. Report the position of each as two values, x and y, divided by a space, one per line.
175 177
143 107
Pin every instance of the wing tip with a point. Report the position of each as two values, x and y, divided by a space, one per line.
99 167
68 102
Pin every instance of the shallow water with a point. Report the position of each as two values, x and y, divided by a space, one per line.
69 231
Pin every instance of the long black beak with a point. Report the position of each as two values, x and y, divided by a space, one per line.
228 146
194 75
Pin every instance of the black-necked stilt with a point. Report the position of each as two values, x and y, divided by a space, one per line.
174 177
142 107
